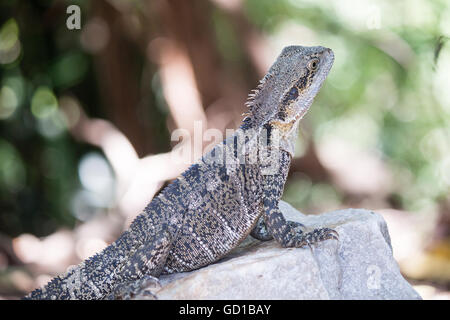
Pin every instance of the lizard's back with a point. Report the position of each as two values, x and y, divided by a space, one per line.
222 204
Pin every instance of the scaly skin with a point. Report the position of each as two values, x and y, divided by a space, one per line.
232 191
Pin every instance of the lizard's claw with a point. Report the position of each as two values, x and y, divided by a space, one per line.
147 285
316 236
327 233
149 281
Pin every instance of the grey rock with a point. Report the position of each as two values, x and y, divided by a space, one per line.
358 266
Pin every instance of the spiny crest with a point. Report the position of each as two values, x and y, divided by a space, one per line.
251 103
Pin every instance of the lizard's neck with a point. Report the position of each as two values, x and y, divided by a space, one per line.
285 138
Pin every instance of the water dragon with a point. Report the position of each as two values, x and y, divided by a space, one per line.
231 192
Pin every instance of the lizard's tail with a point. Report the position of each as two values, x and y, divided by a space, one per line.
90 279
51 290
77 283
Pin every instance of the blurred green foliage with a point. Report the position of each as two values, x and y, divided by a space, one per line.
38 158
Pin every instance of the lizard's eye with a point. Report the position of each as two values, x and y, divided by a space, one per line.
313 64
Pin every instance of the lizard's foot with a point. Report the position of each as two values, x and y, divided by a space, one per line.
261 232
316 236
311 238
141 289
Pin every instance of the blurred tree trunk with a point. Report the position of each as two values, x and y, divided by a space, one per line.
189 24
118 74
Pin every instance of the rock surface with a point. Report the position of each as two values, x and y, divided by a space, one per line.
358 266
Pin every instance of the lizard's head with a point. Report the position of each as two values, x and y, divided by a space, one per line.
287 91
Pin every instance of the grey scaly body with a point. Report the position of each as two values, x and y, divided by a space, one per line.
231 192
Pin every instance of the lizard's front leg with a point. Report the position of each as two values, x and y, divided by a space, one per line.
260 231
287 233
142 269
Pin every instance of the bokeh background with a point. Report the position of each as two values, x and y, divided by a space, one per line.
86 118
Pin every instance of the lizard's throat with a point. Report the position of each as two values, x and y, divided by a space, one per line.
286 133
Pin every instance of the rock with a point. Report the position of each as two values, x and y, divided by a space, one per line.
358 266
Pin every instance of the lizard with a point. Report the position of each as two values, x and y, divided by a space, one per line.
229 193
